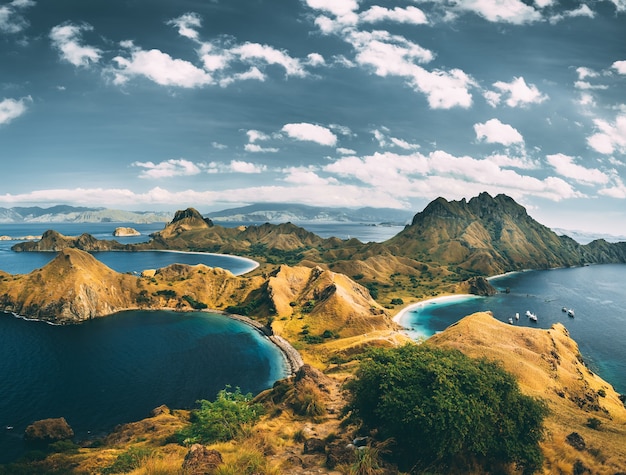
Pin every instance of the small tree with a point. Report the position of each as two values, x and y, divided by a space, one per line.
223 419
446 411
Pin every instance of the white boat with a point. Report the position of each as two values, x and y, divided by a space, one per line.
531 316
570 312
516 315
511 321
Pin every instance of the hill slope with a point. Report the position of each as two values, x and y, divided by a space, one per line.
548 365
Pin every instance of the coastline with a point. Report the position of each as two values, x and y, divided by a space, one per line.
252 262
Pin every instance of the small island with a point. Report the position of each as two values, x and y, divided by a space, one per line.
125 232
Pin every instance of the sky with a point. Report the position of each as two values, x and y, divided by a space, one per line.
162 105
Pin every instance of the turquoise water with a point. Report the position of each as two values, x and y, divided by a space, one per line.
116 369
595 293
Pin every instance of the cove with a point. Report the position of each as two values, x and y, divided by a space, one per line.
116 369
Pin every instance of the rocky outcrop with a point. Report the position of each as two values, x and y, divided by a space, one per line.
125 231
47 431
477 286
201 460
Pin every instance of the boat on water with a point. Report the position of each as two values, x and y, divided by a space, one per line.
570 313
532 317
511 321
516 315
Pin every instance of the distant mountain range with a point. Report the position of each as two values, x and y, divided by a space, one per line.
72 214
296 213
256 213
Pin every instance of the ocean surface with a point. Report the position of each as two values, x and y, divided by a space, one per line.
117 369
595 293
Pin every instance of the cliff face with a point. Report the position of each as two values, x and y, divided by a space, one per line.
548 365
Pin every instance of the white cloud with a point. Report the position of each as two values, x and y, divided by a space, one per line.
393 55
255 148
616 190
219 146
403 144
582 11
337 8
410 15
11 19
494 131
610 138
519 93
187 25
565 166
544 3
305 176
442 174
67 39
584 85
251 74
160 68
167 169
346 151
257 135
12 108
508 161
269 55
584 73
315 59
619 66
501 11
239 166
620 5
310 132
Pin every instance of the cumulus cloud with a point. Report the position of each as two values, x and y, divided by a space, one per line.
500 11
346 151
412 15
565 166
13 108
167 169
582 11
160 68
310 132
256 148
610 138
494 131
517 93
305 176
394 55
67 39
619 66
442 174
11 19
187 25
239 166
584 73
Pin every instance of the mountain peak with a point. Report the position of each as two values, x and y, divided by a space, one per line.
190 215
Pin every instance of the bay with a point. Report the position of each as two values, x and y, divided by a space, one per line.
116 369
595 293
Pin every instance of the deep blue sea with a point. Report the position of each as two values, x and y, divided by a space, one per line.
595 293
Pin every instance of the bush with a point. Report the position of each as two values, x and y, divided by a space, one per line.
221 420
446 411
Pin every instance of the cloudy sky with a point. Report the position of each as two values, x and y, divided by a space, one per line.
163 104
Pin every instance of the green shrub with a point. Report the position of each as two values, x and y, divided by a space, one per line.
221 420
128 461
447 412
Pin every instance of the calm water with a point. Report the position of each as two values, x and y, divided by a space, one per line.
116 369
596 293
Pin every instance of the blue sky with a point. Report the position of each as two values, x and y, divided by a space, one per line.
161 105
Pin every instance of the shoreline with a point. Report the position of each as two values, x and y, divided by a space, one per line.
399 317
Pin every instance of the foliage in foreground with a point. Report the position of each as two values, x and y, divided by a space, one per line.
447 412
221 420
